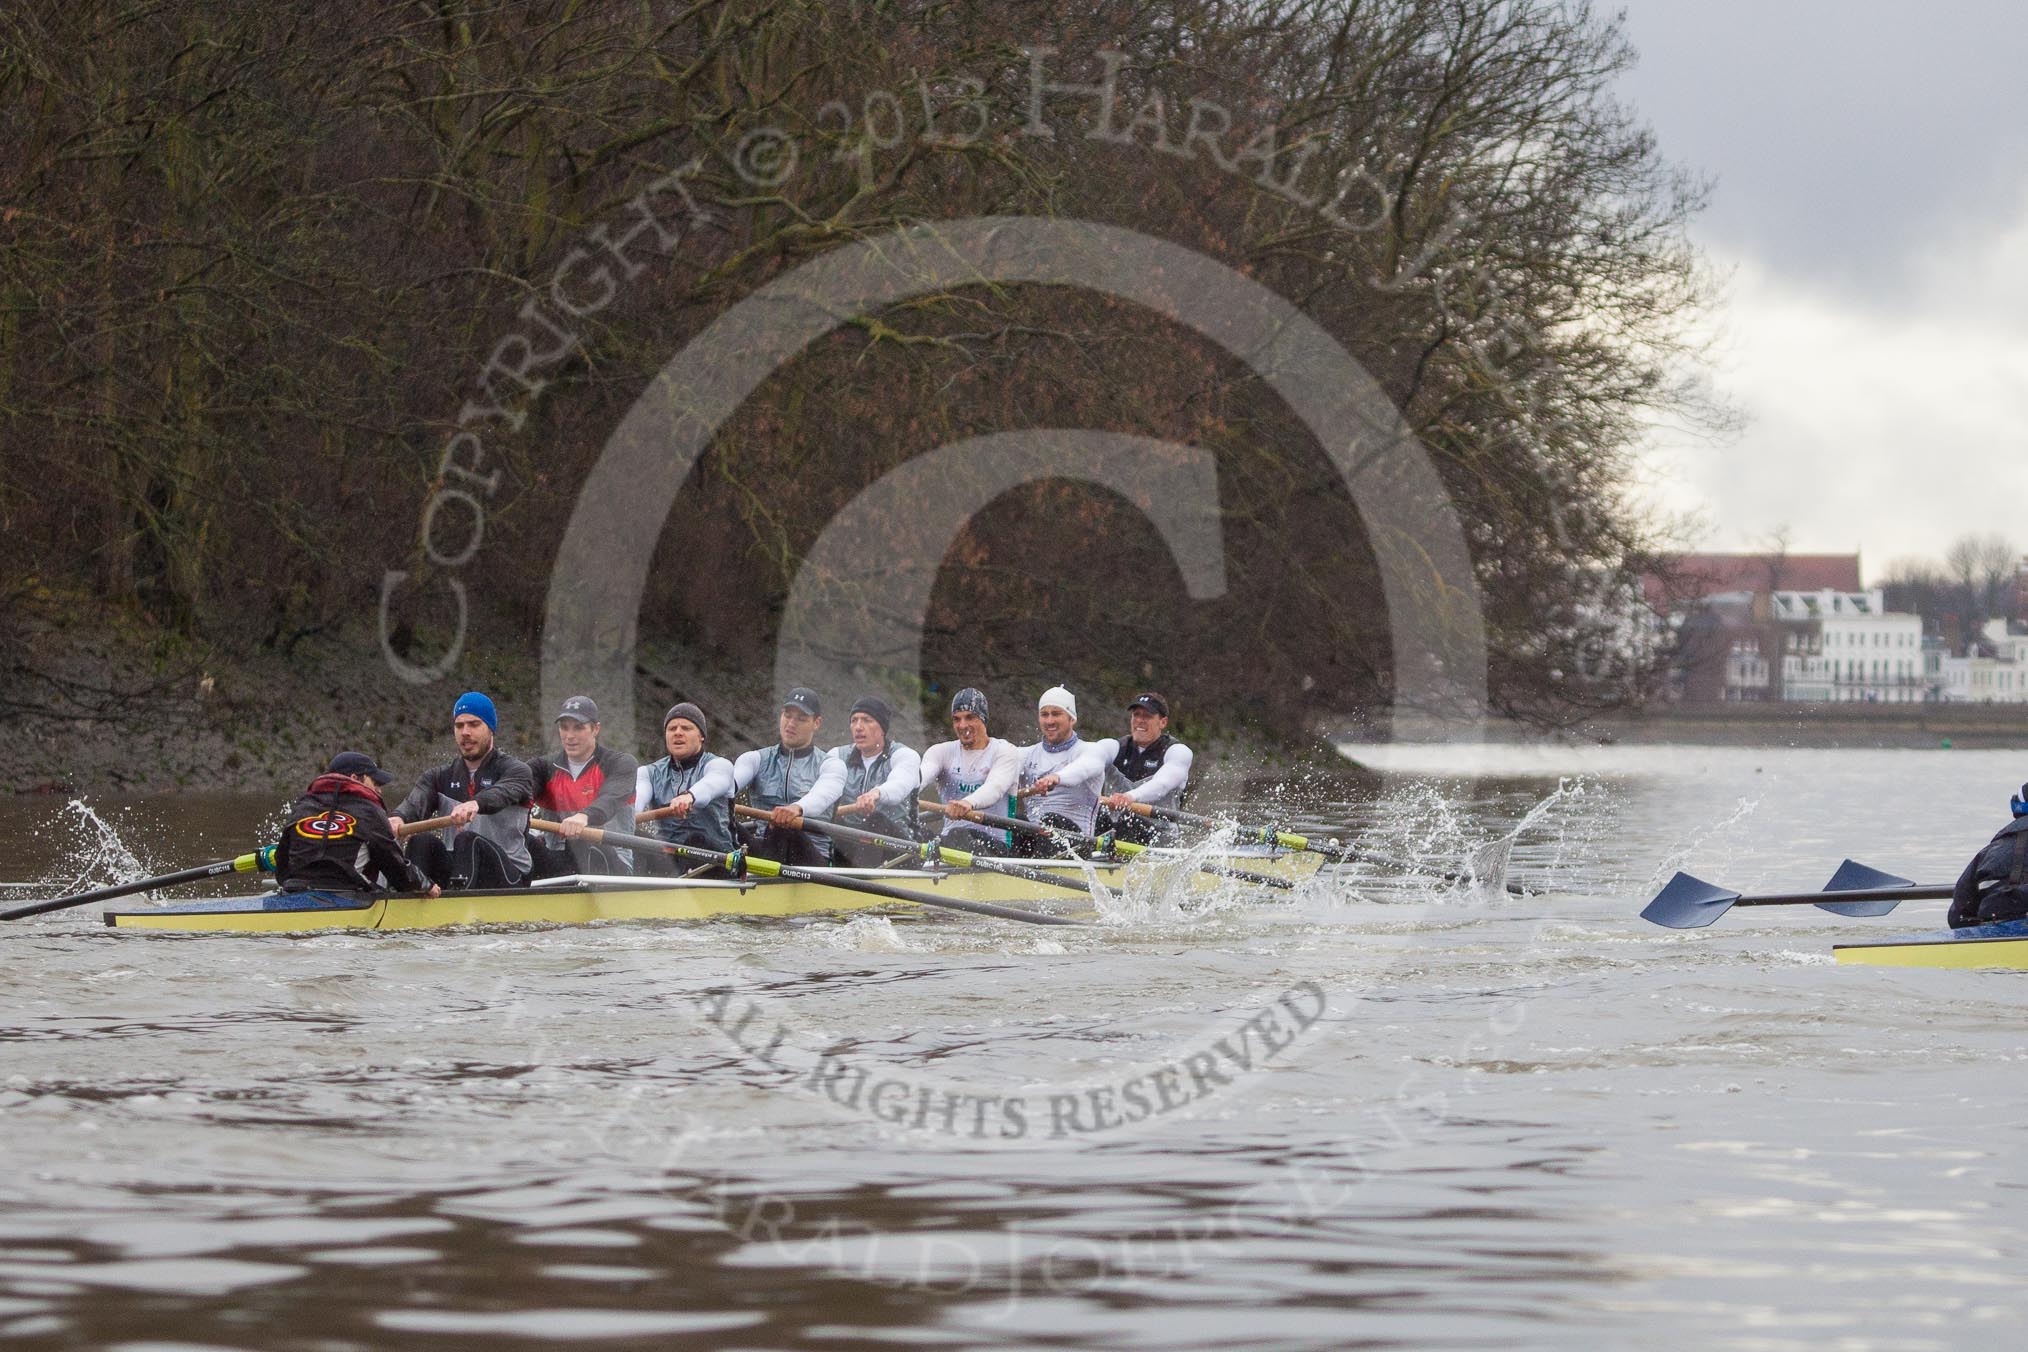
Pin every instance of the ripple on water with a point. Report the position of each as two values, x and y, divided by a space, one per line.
1526 1118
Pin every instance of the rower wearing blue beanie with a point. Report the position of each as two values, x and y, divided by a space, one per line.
480 706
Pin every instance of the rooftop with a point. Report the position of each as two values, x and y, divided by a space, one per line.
1694 577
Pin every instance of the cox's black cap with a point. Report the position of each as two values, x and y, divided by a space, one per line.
579 707
1152 702
804 698
357 763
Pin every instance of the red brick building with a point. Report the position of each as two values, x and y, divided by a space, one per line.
1728 644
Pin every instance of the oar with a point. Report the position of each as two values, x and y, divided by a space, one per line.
739 861
931 852
1855 889
1123 847
261 861
1489 861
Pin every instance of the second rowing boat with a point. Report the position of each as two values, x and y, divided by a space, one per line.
2002 945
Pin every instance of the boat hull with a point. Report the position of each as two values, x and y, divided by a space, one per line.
576 901
2004 946
304 912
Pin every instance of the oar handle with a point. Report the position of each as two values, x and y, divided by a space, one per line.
655 814
407 829
761 814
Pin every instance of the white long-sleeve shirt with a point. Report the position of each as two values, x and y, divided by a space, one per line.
1165 787
817 800
983 779
1079 769
904 771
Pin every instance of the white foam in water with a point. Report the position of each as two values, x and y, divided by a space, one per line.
100 857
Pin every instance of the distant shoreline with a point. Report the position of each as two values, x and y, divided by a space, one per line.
1883 726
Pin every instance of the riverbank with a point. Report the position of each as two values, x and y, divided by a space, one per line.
1883 726
136 714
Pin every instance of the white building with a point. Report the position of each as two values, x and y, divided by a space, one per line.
1998 679
1846 647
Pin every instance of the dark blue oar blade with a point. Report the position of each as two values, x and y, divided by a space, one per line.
1689 903
1853 876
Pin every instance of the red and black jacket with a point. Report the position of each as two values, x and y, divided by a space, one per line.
338 838
604 791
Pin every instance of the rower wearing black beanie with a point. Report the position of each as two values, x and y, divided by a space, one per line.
881 779
697 784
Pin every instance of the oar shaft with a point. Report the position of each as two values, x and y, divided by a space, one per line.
1289 840
1127 848
246 863
767 868
1265 835
929 853
1928 892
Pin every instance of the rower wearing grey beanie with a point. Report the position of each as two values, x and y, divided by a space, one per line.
975 773
692 781
881 780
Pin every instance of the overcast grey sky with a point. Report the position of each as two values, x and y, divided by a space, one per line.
1871 209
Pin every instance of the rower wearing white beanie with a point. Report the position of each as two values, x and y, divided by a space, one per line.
1063 772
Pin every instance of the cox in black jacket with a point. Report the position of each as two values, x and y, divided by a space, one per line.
338 837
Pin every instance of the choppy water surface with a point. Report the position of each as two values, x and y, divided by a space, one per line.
1469 1119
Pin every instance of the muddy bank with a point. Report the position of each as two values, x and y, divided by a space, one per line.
140 715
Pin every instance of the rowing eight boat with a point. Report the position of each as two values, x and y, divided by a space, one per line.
577 900
2003 945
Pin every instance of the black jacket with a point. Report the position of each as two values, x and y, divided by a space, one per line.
1994 886
504 783
338 838
502 787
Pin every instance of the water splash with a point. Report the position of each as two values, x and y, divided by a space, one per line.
866 934
1743 808
100 857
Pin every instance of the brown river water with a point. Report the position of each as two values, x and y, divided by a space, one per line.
1382 1112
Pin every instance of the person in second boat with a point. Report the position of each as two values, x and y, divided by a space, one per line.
1062 774
1147 766
486 794
789 781
881 780
1994 886
693 784
976 772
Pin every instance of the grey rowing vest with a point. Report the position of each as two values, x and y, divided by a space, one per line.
862 777
784 776
708 827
